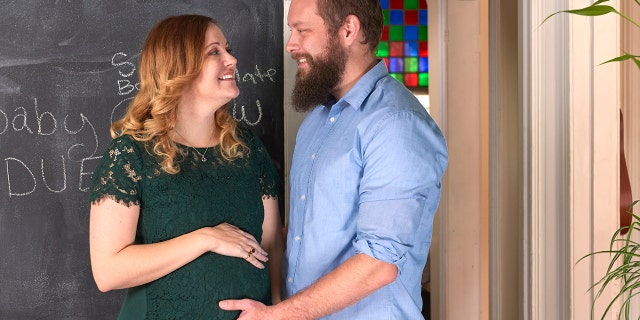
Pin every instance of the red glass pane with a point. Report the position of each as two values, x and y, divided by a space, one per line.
411 79
385 33
411 17
423 49
397 4
396 49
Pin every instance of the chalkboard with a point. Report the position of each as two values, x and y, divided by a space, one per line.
67 70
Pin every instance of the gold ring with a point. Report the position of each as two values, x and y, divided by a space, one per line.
248 256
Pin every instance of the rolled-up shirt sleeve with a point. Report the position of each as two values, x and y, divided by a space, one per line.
403 161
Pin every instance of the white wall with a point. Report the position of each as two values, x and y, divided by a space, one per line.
571 130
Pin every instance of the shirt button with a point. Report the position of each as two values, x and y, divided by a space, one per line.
302 197
332 119
297 238
313 156
289 280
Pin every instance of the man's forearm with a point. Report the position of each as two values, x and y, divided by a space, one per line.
350 282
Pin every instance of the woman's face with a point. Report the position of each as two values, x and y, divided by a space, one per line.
216 81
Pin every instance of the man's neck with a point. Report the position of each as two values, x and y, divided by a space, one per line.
355 69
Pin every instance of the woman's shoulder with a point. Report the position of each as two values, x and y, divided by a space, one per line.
125 146
126 141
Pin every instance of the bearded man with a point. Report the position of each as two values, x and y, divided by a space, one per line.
365 176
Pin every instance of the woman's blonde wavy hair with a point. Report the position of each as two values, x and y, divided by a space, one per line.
172 57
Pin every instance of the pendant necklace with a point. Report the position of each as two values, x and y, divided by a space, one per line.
202 154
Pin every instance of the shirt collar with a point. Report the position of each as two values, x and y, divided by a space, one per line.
363 87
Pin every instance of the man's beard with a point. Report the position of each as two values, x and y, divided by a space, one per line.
324 74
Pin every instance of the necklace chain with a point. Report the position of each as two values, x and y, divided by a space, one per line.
202 154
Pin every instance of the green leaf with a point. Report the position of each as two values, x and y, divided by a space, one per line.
622 277
593 10
624 57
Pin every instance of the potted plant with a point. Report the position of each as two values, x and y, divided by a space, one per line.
624 267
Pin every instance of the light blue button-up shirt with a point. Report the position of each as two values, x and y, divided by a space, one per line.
365 179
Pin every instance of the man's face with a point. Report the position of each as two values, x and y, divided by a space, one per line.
321 58
315 84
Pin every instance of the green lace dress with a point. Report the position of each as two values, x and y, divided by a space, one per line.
203 193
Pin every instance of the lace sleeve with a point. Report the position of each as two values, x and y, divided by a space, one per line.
270 182
118 174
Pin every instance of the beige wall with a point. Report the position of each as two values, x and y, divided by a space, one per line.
458 48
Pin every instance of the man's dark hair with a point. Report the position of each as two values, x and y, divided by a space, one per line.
369 12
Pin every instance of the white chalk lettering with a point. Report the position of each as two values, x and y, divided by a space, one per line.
257 75
81 183
244 115
126 69
86 121
33 178
45 121
39 117
126 64
125 87
5 120
64 177
115 111
23 178
22 116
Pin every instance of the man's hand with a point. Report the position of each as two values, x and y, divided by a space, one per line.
250 309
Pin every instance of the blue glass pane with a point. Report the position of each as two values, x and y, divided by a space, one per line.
422 17
423 65
396 17
384 4
411 49
396 64
411 33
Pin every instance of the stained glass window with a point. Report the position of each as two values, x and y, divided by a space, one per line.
404 42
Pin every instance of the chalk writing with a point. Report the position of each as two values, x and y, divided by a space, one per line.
255 78
244 114
257 75
22 176
125 69
19 121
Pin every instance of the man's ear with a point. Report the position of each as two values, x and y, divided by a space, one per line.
351 30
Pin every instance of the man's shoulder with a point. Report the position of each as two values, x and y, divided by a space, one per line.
391 95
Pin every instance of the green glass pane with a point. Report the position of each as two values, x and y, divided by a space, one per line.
383 49
423 79
423 33
411 4
398 76
385 14
396 33
411 64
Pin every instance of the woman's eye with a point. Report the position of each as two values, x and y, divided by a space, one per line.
214 52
